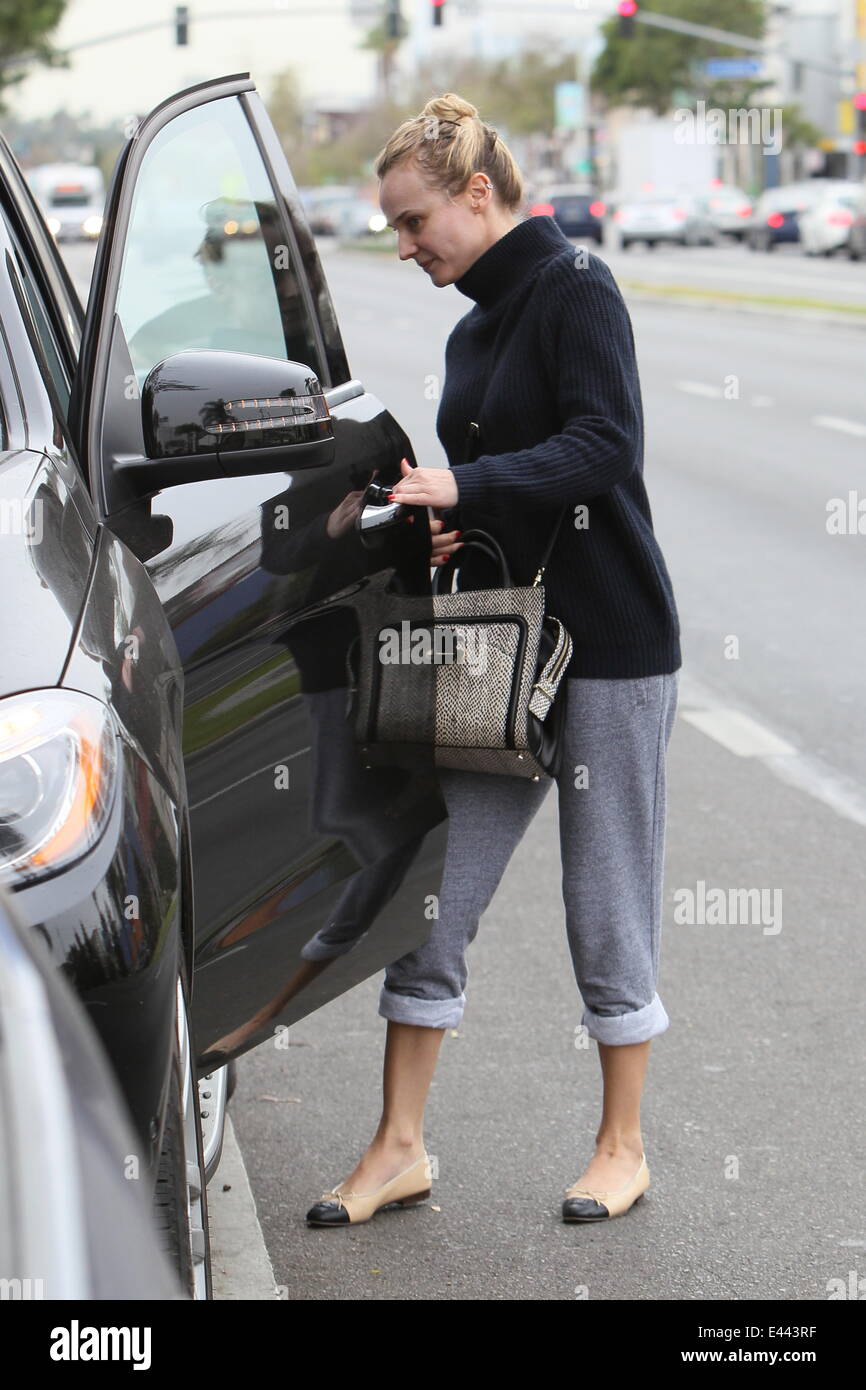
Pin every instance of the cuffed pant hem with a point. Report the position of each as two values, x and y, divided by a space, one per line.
638 1026
426 1013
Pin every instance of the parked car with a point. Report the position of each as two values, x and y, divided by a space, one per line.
679 218
776 215
82 1227
192 538
825 227
360 218
730 208
577 210
72 198
325 204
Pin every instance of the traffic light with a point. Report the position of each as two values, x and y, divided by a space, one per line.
626 9
181 25
860 137
438 12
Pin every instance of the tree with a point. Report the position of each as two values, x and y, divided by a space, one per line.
285 108
647 69
23 40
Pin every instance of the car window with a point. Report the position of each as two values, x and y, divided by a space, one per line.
50 359
205 261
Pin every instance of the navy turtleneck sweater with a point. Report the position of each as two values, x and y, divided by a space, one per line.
544 363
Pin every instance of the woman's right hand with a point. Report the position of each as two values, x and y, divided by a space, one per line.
444 542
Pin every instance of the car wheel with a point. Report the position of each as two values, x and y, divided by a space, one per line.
625 245
180 1197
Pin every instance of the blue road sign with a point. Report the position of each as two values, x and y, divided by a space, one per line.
733 67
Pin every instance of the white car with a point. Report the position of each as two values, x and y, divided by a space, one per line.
730 208
683 218
826 226
72 199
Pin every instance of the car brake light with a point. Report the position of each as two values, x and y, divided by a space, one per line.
775 219
679 215
617 217
597 209
840 218
745 210
542 210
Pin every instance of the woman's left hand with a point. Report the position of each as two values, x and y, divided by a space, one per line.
425 487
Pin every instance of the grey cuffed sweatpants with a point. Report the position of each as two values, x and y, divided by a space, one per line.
612 836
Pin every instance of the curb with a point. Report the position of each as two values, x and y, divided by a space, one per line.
698 299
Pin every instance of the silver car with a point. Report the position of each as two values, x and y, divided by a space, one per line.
681 218
730 209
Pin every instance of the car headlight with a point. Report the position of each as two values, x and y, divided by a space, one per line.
92 226
378 222
58 770
53 225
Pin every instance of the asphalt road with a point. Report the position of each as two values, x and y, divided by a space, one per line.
752 1110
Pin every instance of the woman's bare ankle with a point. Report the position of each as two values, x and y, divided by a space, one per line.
398 1141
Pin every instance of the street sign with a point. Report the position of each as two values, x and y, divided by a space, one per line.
733 67
570 105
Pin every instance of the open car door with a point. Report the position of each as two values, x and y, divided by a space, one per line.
231 450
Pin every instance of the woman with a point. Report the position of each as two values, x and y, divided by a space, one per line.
543 366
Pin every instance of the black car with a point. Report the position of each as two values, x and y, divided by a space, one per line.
194 529
577 211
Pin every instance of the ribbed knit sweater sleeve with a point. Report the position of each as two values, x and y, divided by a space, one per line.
588 348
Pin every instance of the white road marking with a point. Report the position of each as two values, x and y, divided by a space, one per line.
837 422
747 738
698 388
738 732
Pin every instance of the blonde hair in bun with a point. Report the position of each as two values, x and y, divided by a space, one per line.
449 142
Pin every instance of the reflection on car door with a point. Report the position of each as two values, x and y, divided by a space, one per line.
311 870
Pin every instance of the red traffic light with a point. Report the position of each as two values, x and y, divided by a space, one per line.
627 8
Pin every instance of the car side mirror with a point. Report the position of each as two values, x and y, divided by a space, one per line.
210 413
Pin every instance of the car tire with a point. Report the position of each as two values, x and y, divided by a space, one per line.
180 1194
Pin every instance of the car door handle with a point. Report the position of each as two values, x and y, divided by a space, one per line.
372 519
379 513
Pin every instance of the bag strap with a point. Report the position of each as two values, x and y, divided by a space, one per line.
473 435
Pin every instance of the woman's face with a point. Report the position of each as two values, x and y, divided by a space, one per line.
443 236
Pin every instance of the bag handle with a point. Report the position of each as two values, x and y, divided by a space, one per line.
488 545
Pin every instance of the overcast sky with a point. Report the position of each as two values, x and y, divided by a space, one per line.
113 80
264 37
